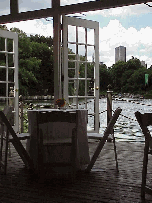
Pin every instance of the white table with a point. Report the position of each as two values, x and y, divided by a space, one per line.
58 130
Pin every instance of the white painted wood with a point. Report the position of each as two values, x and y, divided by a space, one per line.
85 24
14 36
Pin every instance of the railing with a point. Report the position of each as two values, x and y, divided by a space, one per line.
109 109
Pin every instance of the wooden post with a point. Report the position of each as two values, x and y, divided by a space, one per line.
56 49
109 104
109 108
21 106
109 115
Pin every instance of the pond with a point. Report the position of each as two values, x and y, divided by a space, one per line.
126 127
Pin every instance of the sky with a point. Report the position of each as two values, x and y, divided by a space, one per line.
129 26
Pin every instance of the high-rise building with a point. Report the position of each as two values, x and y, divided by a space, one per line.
120 54
143 64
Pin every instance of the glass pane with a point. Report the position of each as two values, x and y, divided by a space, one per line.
11 89
71 73
90 54
10 60
2 44
71 64
82 70
81 103
34 5
90 87
63 2
3 89
72 56
2 74
81 35
81 91
71 89
90 36
90 107
72 48
81 50
71 33
5 7
11 75
10 45
90 70
2 59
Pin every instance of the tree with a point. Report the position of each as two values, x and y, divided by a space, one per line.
116 72
136 83
104 77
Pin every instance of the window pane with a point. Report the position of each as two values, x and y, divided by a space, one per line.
5 7
34 5
67 2
10 60
10 45
2 59
71 33
11 75
2 44
81 35
3 89
2 74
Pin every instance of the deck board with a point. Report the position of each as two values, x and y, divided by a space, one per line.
102 184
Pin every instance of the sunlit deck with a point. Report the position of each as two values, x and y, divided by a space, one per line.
102 184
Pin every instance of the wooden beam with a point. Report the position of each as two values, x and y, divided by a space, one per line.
69 9
14 7
56 49
97 5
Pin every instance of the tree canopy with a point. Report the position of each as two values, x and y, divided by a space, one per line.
36 75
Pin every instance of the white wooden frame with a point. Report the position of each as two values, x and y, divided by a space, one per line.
14 37
91 25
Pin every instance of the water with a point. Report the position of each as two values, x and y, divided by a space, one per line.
126 129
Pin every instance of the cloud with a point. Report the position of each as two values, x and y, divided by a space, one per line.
40 27
137 43
123 11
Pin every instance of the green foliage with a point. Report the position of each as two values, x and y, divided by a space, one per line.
129 76
36 69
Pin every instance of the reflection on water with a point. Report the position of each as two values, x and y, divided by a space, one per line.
125 129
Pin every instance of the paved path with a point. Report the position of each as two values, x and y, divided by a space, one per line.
102 184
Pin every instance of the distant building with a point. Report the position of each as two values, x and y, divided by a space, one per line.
120 54
143 64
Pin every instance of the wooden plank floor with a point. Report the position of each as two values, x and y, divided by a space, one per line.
102 184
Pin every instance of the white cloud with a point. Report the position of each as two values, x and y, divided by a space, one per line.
123 11
137 42
34 27
115 35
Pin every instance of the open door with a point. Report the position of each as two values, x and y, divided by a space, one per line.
9 73
81 67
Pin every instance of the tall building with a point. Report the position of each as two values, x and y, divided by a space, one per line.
120 54
143 64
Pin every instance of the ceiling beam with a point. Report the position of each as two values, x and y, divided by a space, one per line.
97 5
14 7
69 9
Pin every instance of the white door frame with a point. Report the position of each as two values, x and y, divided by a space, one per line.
91 25
14 36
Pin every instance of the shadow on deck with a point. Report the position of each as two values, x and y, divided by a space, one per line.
102 184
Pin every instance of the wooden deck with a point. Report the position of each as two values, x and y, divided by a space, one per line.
102 184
